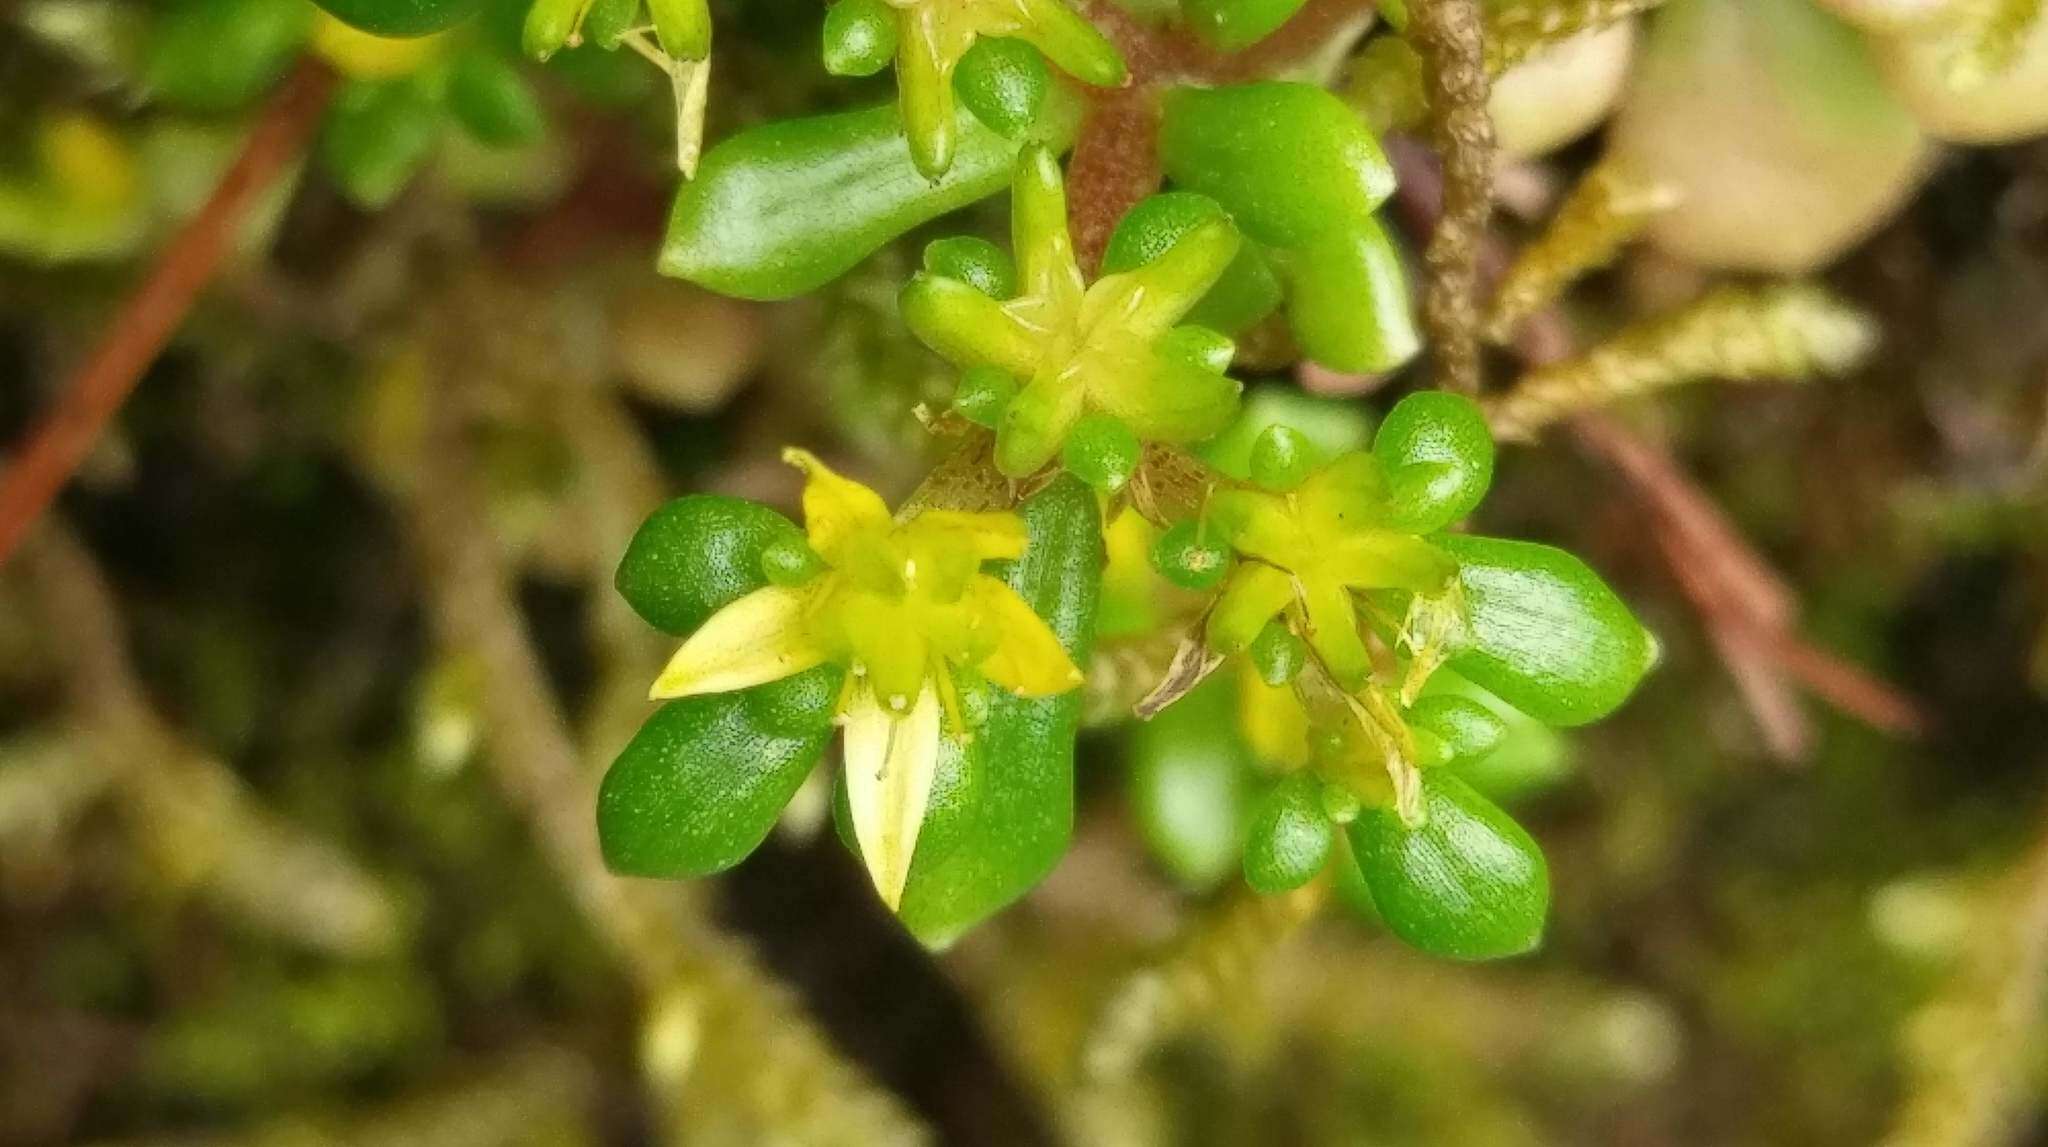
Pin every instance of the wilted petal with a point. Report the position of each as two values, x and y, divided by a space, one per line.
890 761
1027 658
835 508
759 638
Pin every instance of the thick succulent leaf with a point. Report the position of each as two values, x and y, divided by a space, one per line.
1347 300
1437 455
1289 838
786 207
696 555
1546 634
1018 826
400 17
1189 785
1290 162
703 782
1468 884
1233 25
1003 82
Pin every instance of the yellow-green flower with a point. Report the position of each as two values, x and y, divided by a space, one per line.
1113 347
1307 551
906 608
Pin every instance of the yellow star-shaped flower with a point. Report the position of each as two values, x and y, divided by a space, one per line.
1307 551
906 608
1112 346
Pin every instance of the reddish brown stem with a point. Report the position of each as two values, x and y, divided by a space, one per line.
138 333
1115 164
1116 158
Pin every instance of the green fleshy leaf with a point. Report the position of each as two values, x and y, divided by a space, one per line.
401 18
1189 786
1289 161
493 102
1003 82
218 55
377 137
1347 300
1333 425
1023 817
784 208
1437 454
696 555
1469 884
1546 634
1233 25
974 261
860 37
701 785
1290 837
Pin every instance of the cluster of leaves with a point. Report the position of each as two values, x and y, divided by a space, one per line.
1328 576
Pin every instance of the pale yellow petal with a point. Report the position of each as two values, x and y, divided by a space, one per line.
759 638
890 762
1275 723
1025 656
835 508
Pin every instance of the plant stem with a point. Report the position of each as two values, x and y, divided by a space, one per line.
1450 36
145 324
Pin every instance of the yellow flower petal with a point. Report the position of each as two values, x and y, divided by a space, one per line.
1250 599
1383 559
1275 723
890 762
1333 631
993 535
1026 657
1343 496
761 637
835 508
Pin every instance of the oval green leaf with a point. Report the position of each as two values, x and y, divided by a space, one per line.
1469 884
702 783
697 554
1546 635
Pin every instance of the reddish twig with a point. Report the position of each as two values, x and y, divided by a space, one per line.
158 307
1750 614
1115 164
